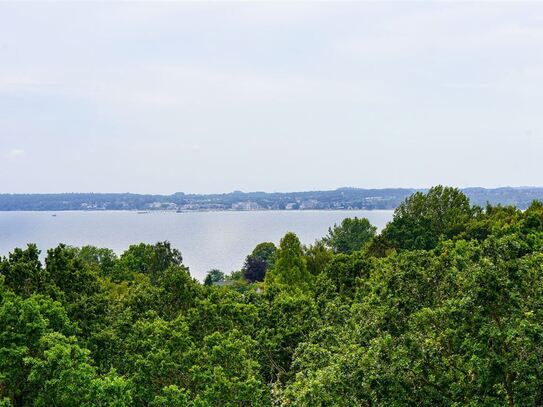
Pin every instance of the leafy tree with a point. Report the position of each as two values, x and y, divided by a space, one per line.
344 271
445 308
23 323
172 396
178 291
148 259
254 269
222 310
290 269
351 235
492 220
23 271
259 262
213 276
286 320
157 353
101 258
317 257
77 286
423 219
226 373
71 275
61 374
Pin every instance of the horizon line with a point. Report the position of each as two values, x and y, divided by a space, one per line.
273 192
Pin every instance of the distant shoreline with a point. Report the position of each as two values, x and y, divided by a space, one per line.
338 199
155 211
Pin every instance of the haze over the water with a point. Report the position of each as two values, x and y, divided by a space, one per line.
164 97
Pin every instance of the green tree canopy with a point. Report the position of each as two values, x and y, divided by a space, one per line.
259 262
23 271
290 268
444 308
425 218
149 259
213 276
351 235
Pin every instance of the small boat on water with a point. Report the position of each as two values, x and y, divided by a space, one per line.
54 215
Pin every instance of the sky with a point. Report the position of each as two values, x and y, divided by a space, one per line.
153 97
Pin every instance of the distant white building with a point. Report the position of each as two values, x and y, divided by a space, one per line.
309 204
245 206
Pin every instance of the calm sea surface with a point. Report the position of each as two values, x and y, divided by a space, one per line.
206 239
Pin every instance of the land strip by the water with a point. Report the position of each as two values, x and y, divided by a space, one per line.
342 198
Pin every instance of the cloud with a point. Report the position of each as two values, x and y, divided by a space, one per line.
236 85
16 152
16 80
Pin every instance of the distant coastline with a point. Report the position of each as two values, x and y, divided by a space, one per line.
338 199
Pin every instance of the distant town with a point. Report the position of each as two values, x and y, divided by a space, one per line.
338 199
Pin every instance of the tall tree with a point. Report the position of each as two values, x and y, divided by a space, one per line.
290 269
149 259
213 276
424 219
351 235
259 262
23 271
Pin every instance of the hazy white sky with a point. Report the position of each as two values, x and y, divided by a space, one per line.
212 97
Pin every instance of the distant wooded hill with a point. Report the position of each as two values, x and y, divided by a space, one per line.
342 198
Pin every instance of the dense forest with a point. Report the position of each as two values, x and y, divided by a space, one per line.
341 198
443 307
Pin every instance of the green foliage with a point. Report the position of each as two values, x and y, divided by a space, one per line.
444 307
451 327
213 276
290 269
23 324
23 271
286 320
70 274
351 235
423 219
148 259
61 374
225 372
178 291
171 396
102 259
317 257
344 271
259 262
157 354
